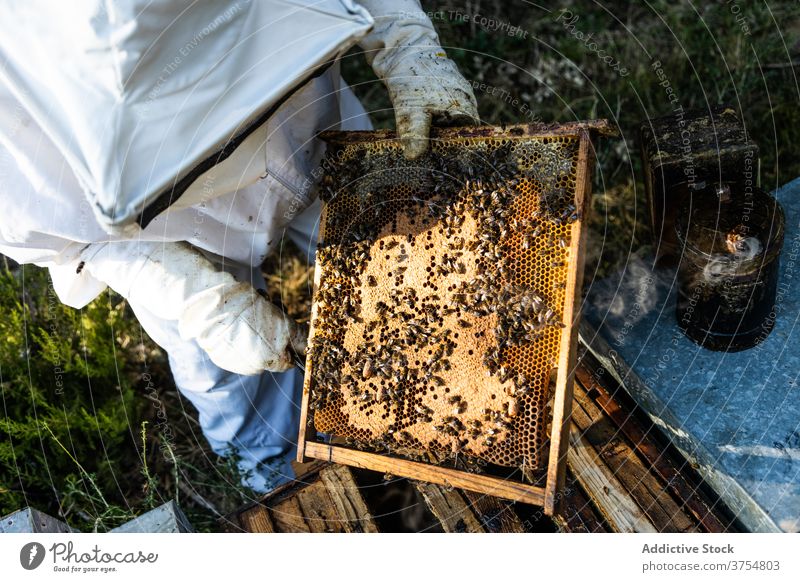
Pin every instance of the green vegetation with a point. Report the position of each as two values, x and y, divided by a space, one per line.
92 428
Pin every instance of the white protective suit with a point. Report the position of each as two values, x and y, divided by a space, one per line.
164 148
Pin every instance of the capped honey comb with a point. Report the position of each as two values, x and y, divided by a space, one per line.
440 294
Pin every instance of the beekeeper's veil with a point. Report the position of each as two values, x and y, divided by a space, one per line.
142 96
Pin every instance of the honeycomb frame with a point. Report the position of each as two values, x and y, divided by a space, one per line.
405 249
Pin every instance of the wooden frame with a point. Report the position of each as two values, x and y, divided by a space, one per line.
547 496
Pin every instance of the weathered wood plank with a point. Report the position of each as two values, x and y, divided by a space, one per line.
642 439
495 515
349 503
578 514
325 498
319 510
439 475
662 510
256 520
562 401
449 507
570 128
288 517
606 492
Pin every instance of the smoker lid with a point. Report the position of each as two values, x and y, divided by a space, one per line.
708 134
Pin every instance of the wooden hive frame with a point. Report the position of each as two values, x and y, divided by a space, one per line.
547 496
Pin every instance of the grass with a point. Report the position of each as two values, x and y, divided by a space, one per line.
115 438
92 428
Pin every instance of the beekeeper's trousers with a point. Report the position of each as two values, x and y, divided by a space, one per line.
255 417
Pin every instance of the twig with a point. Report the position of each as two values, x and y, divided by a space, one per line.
782 65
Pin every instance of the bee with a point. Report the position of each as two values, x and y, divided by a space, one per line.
455 424
368 369
456 243
372 281
521 390
460 407
527 241
390 245
422 409
399 376
381 308
463 323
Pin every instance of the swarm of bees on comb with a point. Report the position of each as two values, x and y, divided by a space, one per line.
439 296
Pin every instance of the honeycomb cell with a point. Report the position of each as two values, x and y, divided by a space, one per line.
440 295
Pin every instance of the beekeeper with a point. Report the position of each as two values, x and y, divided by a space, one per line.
165 148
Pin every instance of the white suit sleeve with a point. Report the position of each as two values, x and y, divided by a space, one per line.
239 329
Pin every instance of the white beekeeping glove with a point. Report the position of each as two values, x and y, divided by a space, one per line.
239 329
424 85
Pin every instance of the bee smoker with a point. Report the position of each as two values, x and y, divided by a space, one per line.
728 271
686 152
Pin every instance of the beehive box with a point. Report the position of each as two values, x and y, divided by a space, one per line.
442 336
